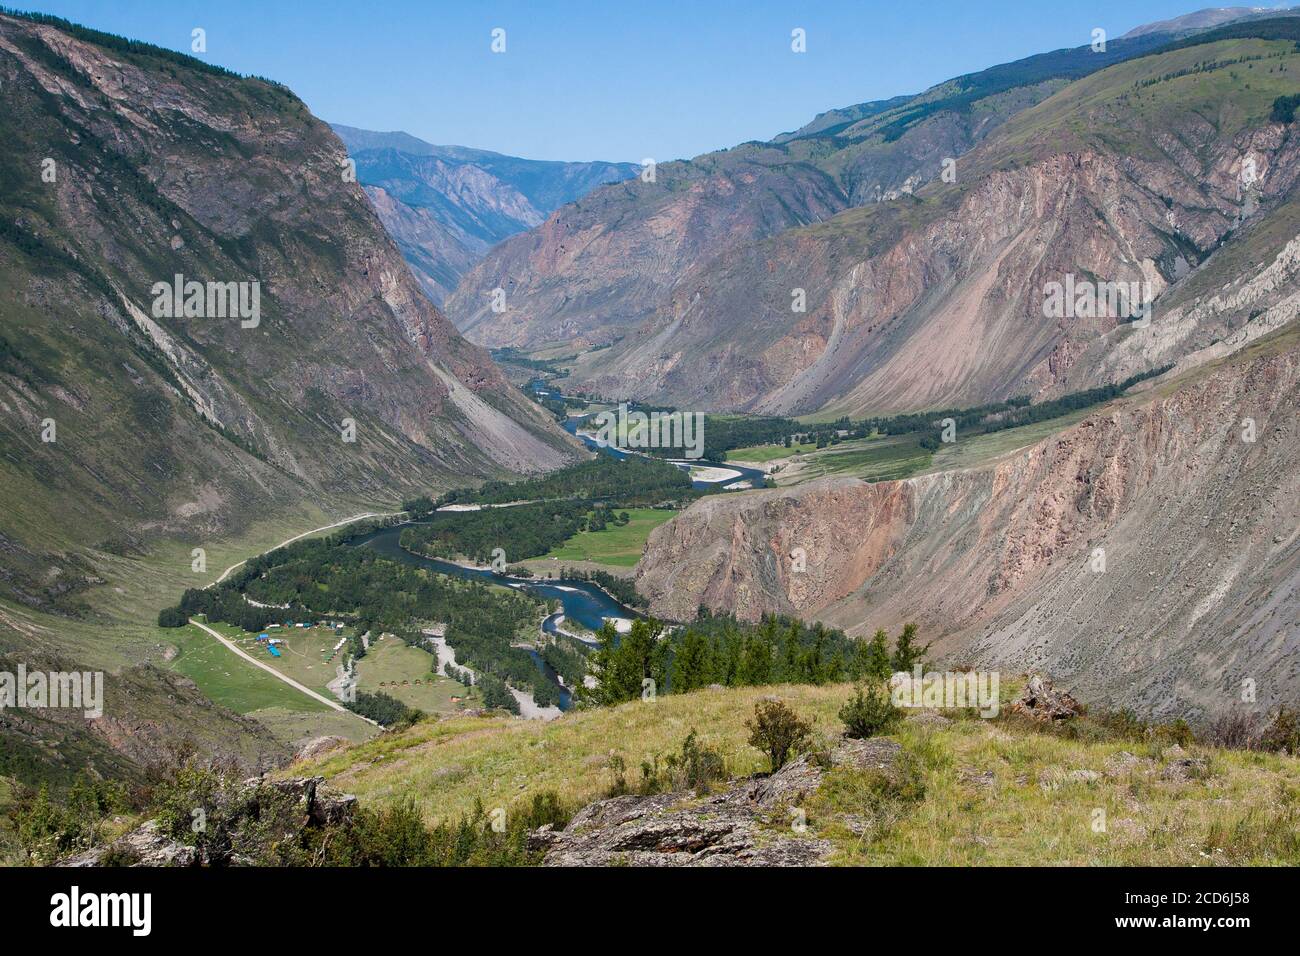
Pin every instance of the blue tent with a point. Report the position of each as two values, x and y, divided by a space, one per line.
275 652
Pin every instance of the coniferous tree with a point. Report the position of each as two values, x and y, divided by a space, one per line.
691 664
907 654
872 658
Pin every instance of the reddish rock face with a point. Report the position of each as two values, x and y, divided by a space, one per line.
1199 532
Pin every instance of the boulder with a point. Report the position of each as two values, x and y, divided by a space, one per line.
144 846
320 745
1042 701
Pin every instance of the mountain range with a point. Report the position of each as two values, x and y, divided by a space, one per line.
215 336
445 206
1149 552
816 273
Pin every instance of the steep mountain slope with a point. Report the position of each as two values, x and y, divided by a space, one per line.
130 432
1133 174
1191 491
624 255
447 205
160 168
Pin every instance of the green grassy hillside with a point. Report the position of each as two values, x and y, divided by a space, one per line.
999 791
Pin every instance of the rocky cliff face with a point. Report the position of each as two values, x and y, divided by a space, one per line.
579 276
126 168
437 254
1150 553
626 255
937 300
307 375
829 286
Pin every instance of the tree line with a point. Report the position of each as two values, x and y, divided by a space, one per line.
631 482
724 651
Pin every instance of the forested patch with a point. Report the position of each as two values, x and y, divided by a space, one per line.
633 482
725 434
722 650
524 531
383 709
622 590
323 579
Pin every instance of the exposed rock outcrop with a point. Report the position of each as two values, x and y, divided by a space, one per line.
318 746
447 205
144 846
1042 701
147 845
201 422
748 825
917 296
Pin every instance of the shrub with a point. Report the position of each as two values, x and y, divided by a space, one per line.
47 830
384 709
777 731
1283 734
1284 109
1175 732
545 807
1234 730
172 617
694 767
397 836
619 786
868 712
226 820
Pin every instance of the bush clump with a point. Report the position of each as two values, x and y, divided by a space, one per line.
46 829
694 767
384 709
868 712
1284 108
778 731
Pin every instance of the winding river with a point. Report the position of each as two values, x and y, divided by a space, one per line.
581 601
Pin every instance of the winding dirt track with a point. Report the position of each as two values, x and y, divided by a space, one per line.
271 670
338 524
335 705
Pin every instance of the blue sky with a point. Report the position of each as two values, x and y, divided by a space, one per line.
604 80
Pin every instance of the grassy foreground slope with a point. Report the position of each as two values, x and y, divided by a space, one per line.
994 791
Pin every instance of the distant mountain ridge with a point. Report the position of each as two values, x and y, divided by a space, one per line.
445 206
690 278
1209 18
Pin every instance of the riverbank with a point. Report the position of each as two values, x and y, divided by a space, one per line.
490 576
